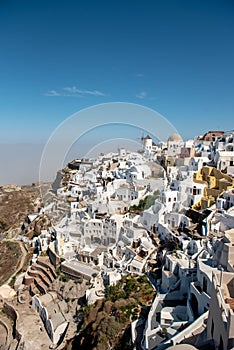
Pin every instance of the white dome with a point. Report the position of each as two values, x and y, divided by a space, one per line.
175 138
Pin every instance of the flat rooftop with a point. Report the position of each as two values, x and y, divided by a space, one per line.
80 267
179 257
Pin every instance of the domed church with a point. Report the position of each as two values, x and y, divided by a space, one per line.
174 145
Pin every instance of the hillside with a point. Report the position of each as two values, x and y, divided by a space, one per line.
16 202
107 322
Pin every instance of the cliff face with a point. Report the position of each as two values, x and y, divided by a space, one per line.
63 176
16 202
107 322
57 182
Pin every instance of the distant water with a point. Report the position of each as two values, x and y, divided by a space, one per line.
19 163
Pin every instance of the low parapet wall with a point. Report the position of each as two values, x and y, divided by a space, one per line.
47 265
45 270
54 258
3 324
13 314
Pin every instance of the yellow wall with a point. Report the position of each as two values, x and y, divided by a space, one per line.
216 183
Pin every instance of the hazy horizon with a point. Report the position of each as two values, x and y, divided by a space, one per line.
58 58
25 170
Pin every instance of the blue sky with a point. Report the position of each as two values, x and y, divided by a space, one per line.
58 57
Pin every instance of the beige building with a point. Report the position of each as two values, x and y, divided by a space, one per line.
216 184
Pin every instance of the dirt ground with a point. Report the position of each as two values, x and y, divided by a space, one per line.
10 256
16 203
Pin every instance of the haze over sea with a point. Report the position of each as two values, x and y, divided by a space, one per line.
59 57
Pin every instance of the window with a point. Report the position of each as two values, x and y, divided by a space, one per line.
167 321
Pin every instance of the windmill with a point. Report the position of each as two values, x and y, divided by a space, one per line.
142 138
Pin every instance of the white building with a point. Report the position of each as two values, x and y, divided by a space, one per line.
196 163
220 325
224 160
169 199
53 314
174 145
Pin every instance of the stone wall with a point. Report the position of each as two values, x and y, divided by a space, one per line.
12 313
